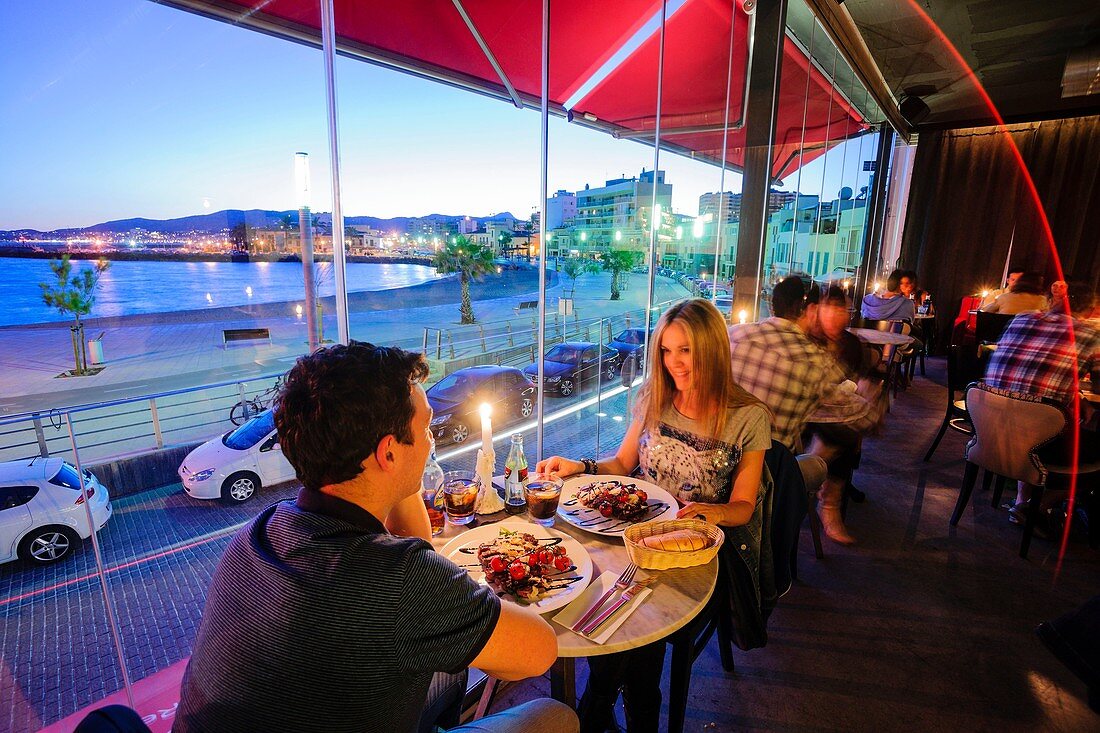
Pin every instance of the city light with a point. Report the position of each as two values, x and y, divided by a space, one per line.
618 236
298 310
248 290
584 236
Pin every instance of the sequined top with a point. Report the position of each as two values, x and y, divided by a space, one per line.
682 459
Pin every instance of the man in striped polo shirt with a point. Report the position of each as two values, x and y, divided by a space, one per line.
332 612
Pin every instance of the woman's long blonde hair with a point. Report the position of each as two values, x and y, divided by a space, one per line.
711 370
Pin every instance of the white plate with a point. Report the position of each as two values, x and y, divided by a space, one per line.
555 599
662 505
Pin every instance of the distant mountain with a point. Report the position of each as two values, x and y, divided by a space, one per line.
224 220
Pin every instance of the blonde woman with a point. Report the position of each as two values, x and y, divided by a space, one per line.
701 437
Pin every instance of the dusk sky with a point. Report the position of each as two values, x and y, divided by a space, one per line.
123 108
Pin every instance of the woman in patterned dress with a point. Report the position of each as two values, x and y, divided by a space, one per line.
702 438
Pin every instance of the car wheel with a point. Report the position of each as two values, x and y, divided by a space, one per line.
526 407
459 432
47 545
240 487
566 387
610 372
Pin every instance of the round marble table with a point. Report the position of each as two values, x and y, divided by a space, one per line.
678 596
883 338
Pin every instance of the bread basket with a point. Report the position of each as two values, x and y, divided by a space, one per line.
653 559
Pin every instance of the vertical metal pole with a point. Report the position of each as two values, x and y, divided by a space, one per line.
801 152
544 132
156 422
43 449
112 622
339 252
720 224
654 223
305 229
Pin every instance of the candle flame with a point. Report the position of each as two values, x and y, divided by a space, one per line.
485 409
742 316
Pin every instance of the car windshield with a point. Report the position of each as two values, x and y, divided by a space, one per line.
67 477
630 336
453 387
252 432
564 354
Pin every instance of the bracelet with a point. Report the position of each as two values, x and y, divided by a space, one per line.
590 466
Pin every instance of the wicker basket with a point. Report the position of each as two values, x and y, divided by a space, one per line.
651 559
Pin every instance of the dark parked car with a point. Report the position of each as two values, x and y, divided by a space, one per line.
627 342
576 363
457 397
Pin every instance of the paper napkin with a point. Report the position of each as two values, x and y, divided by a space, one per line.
575 610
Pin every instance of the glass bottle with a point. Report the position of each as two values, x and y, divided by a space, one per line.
431 485
515 477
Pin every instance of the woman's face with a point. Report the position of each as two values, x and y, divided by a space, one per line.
676 356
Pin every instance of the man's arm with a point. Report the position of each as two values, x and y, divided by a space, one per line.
843 403
410 519
522 645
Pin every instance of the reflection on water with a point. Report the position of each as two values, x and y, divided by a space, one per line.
156 287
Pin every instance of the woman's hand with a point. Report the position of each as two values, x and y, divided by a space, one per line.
709 513
559 466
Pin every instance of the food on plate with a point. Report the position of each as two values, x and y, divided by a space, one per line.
678 540
614 499
518 564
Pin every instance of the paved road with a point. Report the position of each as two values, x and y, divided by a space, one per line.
160 549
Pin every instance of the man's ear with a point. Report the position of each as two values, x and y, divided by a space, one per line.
383 454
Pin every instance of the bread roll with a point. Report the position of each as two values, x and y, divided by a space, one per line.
678 540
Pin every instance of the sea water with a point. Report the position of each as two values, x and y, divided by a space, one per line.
131 287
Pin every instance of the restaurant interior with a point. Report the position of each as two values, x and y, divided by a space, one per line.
972 136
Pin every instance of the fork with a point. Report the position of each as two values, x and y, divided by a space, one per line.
625 598
620 585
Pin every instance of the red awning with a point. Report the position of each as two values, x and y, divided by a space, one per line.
431 38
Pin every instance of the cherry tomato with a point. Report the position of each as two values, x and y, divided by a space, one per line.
605 509
517 570
497 564
559 550
546 557
623 498
642 495
563 563
533 559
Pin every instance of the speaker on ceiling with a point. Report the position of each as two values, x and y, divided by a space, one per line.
914 110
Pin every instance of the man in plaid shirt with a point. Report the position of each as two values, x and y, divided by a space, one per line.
1043 353
800 383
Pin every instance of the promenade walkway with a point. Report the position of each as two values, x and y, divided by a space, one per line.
156 354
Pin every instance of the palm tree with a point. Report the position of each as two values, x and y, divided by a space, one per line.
617 261
469 261
74 297
573 268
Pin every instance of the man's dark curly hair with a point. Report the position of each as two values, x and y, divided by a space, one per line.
791 295
338 403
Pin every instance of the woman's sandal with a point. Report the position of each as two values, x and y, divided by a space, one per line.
1017 513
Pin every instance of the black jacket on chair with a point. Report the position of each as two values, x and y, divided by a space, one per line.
757 569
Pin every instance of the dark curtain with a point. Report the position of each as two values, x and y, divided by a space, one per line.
968 199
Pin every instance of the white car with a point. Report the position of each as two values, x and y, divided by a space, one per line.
42 512
236 465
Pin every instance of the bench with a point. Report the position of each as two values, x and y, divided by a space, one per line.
244 334
526 305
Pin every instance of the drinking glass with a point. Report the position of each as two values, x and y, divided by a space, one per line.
542 492
460 489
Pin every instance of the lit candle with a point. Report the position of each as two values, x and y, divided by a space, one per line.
486 427
876 287
985 294
742 316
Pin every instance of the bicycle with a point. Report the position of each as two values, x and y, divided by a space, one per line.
250 407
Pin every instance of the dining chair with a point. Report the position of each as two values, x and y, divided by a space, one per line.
1009 429
894 358
962 369
989 326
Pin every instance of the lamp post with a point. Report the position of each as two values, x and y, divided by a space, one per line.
305 229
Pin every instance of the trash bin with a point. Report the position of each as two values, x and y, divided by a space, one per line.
95 350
